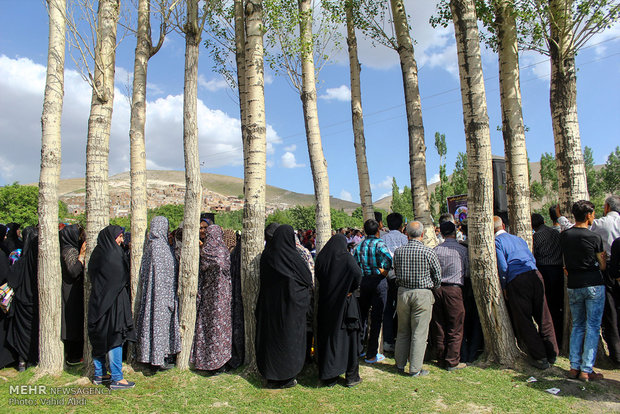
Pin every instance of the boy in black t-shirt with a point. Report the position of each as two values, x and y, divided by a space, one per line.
584 258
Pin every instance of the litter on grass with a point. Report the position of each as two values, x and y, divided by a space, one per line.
531 379
553 391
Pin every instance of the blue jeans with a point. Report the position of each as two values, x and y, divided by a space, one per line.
115 357
586 307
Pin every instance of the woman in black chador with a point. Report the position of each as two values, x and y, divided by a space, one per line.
72 264
23 317
283 301
338 275
110 323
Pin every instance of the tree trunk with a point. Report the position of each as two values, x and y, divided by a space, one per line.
357 117
318 163
254 177
572 182
49 273
241 75
517 178
190 254
498 335
98 142
138 150
417 147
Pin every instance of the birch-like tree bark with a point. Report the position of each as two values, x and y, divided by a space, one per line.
190 255
417 146
98 141
318 164
144 51
254 177
498 334
49 273
357 117
572 181
517 176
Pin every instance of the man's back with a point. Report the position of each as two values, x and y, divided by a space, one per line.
546 243
513 256
394 239
454 261
417 266
372 254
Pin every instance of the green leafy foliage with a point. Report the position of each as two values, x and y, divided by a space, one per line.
303 217
595 189
284 47
459 175
610 174
444 189
19 204
402 202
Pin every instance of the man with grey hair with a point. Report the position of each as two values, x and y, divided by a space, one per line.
418 273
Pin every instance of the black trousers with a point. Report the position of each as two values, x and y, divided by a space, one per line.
526 298
610 323
553 277
389 317
473 338
373 295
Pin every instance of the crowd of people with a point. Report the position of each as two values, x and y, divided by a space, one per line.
363 295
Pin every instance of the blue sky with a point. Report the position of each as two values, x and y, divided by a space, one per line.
23 54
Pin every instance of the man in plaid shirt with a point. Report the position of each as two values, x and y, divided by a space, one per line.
418 273
375 260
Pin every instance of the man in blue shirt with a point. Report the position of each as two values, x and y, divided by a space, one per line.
524 289
375 260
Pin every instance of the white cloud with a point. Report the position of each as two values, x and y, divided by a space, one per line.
341 93
387 183
290 148
22 83
345 195
212 85
434 179
268 78
288 160
434 47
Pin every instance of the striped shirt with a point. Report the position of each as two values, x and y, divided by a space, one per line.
417 266
454 261
372 254
546 243
394 239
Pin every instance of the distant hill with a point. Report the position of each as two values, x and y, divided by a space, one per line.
221 184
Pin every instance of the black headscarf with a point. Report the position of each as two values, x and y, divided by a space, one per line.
70 237
12 241
110 321
23 331
270 230
338 274
283 301
281 255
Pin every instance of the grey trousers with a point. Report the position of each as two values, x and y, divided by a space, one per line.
414 308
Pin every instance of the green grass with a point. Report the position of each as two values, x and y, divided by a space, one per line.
473 389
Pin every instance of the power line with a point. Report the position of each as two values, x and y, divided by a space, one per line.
289 138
